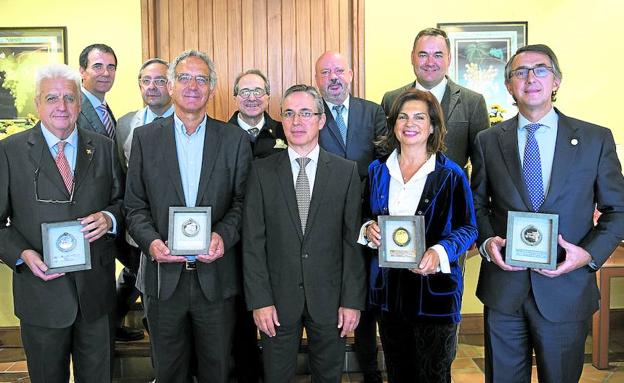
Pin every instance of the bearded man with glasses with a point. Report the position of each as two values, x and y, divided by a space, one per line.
58 172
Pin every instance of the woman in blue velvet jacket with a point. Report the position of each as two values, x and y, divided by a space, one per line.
419 309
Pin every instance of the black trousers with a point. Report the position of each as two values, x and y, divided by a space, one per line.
510 340
48 351
188 327
127 293
417 352
245 351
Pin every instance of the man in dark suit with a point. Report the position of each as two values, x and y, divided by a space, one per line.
50 173
465 112
98 66
352 126
188 159
251 93
302 266
543 161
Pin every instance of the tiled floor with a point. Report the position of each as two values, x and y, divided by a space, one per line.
467 368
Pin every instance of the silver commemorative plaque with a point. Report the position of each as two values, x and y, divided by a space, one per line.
189 230
65 248
532 240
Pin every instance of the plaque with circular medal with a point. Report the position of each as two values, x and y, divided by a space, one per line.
189 230
65 248
532 240
402 241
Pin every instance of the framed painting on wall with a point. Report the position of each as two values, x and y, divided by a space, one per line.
479 52
22 51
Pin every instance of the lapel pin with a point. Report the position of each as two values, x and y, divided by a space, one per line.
89 152
574 142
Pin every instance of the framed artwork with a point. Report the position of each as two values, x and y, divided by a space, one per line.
479 52
22 51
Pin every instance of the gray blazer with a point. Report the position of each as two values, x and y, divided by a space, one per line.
98 186
323 269
154 184
89 118
583 174
465 114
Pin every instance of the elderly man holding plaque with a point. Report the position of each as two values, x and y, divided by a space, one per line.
68 181
186 180
542 162
418 300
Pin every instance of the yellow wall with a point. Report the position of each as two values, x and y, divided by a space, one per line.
585 36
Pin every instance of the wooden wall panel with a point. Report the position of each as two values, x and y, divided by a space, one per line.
282 38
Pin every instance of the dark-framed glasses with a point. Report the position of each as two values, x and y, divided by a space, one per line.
257 92
304 114
158 81
539 71
54 201
185 79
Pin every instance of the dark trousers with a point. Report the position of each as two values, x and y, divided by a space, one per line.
366 346
48 351
187 326
326 351
417 352
245 351
127 293
510 340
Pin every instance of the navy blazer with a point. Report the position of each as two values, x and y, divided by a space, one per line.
447 205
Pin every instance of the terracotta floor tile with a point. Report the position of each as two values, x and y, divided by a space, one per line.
5 366
467 377
18 367
464 363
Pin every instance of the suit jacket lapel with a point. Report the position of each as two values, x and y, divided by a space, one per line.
331 125
89 112
212 145
508 140
450 99
84 156
355 120
285 177
320 184
565 154
42 159
170 155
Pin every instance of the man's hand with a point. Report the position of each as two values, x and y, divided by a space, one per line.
348 320
161 253
266 320
33 260
216 250
95 225
575 258
493 248
428 264
373 233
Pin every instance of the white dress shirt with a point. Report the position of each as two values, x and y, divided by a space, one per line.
437 91
345 111
310 167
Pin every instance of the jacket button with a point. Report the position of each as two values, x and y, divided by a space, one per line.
419 212
301 285
305 255
426 200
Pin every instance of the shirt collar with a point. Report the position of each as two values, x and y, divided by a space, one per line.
550 120
150 115
313 155
345 103
52 140
246 126
395 171
92 99
437 91
179 125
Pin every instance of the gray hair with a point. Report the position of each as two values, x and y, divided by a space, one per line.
257 72
52 71
193 53
151 61
318 100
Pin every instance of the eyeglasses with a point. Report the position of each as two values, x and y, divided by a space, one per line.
185 79
257 92
328 72
303 114
539 71
158 81
54 201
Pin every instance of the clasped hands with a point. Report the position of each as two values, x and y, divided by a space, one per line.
159 251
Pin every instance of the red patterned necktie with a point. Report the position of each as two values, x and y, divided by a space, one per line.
63 166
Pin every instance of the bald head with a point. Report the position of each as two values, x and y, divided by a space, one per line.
333 77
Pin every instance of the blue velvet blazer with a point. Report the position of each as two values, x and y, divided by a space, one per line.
447 205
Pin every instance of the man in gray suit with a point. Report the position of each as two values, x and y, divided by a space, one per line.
352 126
55 172
188 159
98 66
543 161
465 112
302 266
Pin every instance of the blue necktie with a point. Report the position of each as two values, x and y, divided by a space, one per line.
342 127
532 168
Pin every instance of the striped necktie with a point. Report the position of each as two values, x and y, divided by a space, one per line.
532 168
106 120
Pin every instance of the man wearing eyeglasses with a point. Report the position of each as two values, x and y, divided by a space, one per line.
188 160
545 162
98 67
251 94
301 264
153 86
57 172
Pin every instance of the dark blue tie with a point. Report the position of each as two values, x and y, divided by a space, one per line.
532 168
